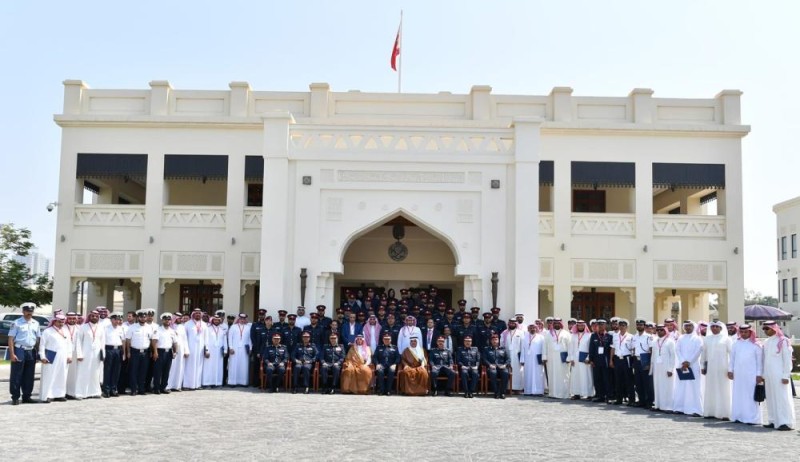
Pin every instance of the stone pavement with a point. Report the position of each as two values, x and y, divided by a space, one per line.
244 424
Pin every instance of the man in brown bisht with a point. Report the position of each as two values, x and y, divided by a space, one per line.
413 377
356 374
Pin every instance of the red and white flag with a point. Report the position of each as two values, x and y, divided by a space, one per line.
396 49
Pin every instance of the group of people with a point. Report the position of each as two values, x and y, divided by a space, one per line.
710 370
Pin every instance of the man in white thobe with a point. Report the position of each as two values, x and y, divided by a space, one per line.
239 346
176 371
55 351
196 340
745 370
512 340
777 377
715 361
662 368
216 348
556 352
72 328
372 333
92 340
302 319
408 331
533 346
688 397
580 377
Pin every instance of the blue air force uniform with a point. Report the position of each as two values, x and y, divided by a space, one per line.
385 359
468 359
441 360
304 357
332 359
275 358
496 362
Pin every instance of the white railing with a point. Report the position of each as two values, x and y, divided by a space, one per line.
252 218
110 215
185 216
694 226
546 223
604 224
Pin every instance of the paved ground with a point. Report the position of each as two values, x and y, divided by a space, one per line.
243 424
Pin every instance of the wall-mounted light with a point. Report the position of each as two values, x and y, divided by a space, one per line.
63 238
674 292
495 184
563 246
152 240
233 241
644 249
307 180
736 250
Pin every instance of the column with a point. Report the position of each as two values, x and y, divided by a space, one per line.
154 202
562 231
644 240
734 227
234 224
527 143
275 265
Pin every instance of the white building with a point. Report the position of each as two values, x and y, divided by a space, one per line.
34 261
788 222
584 206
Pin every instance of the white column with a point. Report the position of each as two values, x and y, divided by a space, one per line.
644 237
234 222
735 236
527 143
562 232
154 202
275 264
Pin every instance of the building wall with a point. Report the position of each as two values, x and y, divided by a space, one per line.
788 224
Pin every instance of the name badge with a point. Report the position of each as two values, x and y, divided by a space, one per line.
659 360
600 350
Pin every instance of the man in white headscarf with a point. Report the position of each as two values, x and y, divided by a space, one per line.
714 361
662 368
216 349
580 378
555 355
777 378
408 331
413 378
512 340
92 338
372 332
533 346
178 367
239 346
196 339
745 370
55 351
688 390
302 319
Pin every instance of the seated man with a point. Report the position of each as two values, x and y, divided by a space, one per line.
413 378
442 364
468 359
495 358
332 358
356 373
275 357
385 358
305 355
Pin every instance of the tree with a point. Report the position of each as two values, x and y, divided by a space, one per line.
17 285
751 297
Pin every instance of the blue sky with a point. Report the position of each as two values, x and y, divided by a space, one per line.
679 48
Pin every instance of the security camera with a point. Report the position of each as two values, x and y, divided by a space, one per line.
50 207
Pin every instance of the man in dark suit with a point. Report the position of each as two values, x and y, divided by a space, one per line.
429 334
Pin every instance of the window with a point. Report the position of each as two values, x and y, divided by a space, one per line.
783 248
255 195
784 292
588 201
794 245
794 289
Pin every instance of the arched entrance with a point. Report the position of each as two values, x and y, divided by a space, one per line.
429 261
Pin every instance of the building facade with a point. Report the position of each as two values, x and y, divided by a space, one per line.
788 222
544 205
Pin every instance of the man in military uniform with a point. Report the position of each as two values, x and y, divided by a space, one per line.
325 321
281 319
475 313
468 359
259 339
495 358
484 331
461 311
441 360
499 324
465 329
600 345
316 330
440 312
332 359
434 296
275 357
385 358
448 321
304 356
291 334
392 327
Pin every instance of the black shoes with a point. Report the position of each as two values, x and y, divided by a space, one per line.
448 394
306 391
28 401
15 402
502 396
435 393
294 391
784 428
105 394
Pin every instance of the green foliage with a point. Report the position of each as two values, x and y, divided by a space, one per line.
17 285
751 297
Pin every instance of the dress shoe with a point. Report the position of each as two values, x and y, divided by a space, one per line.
574 397
447 393
275 390
70 397
60 400
28 401
133 393
15 402
618 402
466 395
502 396
165 392
769 426
332 392
114 394
306 391
47 401
784 428
435 393
598 400
294 391
105 394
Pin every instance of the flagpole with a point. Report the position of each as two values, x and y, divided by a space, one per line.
400 56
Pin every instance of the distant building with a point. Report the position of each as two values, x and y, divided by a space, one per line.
35 262
547 205
788 225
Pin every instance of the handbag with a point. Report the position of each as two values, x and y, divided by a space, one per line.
760 393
